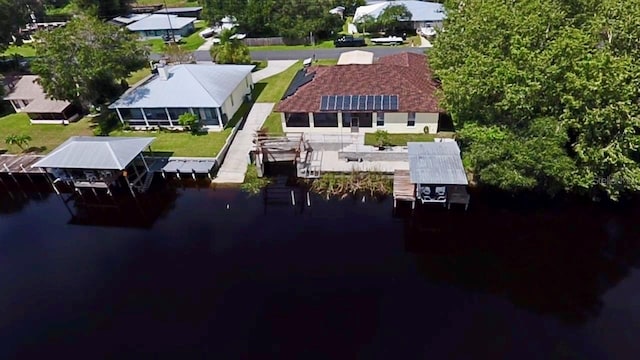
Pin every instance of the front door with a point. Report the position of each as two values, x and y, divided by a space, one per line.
355 124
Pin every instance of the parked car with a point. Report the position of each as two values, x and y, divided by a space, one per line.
349 41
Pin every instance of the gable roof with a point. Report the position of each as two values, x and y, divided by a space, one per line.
420 10
188 85
128 19
406 75
93 152
160 22
26 87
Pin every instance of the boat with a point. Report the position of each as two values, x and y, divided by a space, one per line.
391 40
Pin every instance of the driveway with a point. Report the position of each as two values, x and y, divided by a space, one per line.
273 67
333 53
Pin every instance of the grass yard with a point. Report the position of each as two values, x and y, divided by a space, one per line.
273 124
399 139
44 138
190 43
138 75
25 50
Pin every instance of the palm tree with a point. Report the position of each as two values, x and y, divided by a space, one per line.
20 141
231 50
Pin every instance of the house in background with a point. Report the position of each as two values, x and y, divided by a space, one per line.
194 11
210 91
423 14
127 19
156 26
396 94
27 96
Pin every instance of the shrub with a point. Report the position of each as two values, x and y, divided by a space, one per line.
190 121
382 138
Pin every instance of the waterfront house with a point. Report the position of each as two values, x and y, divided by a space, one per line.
397 94
27 96
129 19
212 92
156 26
423 14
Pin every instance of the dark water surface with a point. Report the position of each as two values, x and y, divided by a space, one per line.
337 280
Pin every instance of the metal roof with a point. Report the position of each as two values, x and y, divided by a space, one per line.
420 10
179 10
188 85
161 22
128 19
436 163
91 152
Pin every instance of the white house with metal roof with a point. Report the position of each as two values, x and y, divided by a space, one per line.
213 92
423 13
158 25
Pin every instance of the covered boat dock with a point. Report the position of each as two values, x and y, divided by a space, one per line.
436 175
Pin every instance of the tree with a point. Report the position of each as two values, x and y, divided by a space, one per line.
391 16
230 50
190 121
19 140
544 93
14 14
174 53
83 61
104 9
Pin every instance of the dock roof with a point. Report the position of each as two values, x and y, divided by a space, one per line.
95 153
436 163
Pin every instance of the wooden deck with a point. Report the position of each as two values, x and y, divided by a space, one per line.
19 164
403 189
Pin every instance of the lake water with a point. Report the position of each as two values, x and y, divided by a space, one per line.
199 273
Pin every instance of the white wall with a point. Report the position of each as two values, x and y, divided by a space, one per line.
238 97
394 123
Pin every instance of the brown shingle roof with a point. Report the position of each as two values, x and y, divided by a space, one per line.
26 87
406 75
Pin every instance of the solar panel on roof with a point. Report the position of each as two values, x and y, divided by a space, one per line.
362 103
332 103
339 102
348 103
386 103
370 101
377 102
324 103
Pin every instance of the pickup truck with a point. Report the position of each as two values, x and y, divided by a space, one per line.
349 41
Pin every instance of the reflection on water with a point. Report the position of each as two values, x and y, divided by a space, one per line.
193 272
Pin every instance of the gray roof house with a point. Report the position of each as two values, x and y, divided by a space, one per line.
212 92
158 25
27 96
193 11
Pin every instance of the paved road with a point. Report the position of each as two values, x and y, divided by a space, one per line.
319 53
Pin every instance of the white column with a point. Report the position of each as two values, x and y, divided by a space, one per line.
311 124
220 118
340 120
144 116
168 117
283 118
119 116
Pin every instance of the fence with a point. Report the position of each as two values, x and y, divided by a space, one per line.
268 41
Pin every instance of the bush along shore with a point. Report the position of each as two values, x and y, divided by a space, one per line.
374 184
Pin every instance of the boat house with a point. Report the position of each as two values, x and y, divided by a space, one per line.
88 162
436 175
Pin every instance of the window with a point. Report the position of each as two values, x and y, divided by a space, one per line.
411 119
380 120
155 114
325 120
208 116
297 119
17 104
130 114
176 112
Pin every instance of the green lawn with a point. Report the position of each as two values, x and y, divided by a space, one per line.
138 75
399 139
25 50
273 124
190 43
44 138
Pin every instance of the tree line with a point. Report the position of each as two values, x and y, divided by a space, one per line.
294 19
544 93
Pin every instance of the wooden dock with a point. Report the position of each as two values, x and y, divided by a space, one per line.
403 189
19 164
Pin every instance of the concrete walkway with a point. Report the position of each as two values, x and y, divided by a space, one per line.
234 166
273 67
208 43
